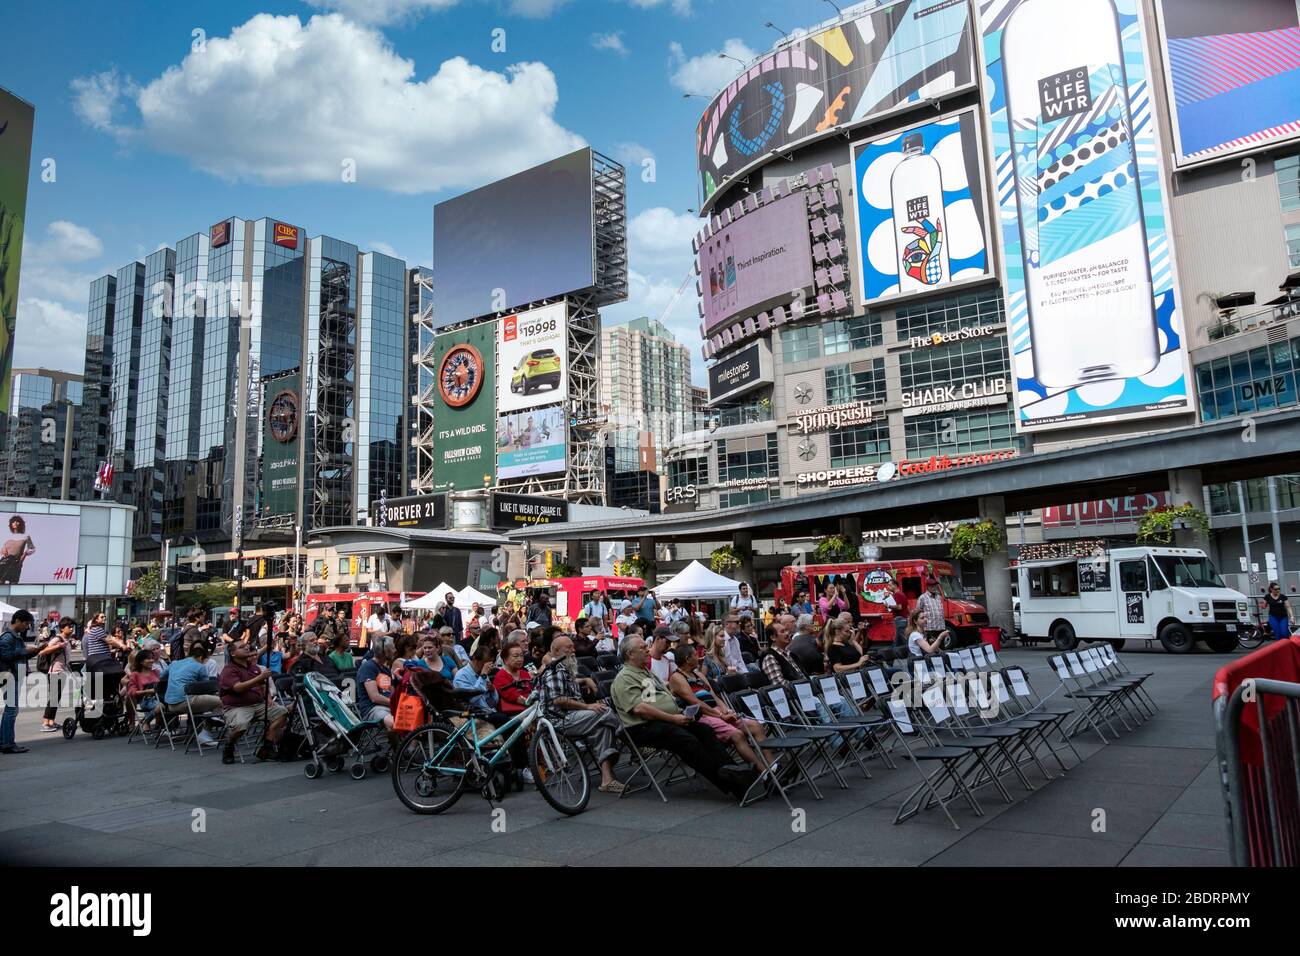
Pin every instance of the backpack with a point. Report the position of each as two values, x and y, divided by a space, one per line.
12 650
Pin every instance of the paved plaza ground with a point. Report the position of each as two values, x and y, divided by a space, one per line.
97 803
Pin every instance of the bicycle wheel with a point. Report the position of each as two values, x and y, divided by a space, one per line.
422 788
560 774
1252 636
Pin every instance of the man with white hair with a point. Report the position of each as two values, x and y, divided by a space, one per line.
560 688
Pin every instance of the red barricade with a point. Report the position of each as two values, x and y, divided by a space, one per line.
1256 707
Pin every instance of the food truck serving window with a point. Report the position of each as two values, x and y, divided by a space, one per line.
1054 580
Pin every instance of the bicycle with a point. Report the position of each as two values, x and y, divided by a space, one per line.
1253 635
437 763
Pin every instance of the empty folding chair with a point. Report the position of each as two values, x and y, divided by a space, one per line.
816 711
1085 665
949 768
785 717
947 727
846 710
1092 706
1031 704
788 767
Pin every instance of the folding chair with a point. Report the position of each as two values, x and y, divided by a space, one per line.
861 700
1017 738
784 717
1107 673
1032 706
171 725
944 728
787 748
950 769
670 764
1117 669
1086 664
850 727
197 721
1092 705
835 692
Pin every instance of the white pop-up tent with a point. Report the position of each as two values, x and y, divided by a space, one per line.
7 610
470 596
697 581
431 600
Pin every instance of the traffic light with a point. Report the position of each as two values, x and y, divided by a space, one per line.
261 567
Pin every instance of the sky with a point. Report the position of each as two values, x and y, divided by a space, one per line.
154 120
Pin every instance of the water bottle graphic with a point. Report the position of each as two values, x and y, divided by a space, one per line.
1079 209
916 192
733 294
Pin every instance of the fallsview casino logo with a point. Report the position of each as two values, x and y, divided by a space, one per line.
1065 94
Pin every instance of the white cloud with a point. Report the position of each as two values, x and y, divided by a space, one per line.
709 72
535 9
292 102
382 12
609 41
661 236
632 155
49 335
96 98
679 7
73 243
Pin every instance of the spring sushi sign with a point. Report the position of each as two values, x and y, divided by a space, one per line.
1093 320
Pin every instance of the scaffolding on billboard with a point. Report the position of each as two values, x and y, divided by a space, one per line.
426 391
609 226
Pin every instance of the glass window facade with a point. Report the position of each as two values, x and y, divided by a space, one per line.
974 360
1288 181
949 433
1224 499
971 309
800 343
1293 245
864 445
849 335
856 382
381 385
128 317
1260 379
97 378
152 393
688 471
753 459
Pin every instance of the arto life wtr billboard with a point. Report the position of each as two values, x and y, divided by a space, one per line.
464 413
1095 330
518 240
888 59
16 122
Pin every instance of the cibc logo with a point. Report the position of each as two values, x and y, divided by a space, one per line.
75 909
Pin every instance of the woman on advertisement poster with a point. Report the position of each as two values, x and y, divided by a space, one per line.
15 551
1082 228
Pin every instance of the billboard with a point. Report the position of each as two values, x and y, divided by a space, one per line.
922 221
522 511
757 261
39 548
464 411
743 372
533 358
16 122
523 238
1233 73
281 440
891 58
1103 510
428 512
1093 320
531 443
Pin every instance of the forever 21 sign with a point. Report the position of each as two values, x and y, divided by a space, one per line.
418 511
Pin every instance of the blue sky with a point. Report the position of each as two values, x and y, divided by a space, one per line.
157 131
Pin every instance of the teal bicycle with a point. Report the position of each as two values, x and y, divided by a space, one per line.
436 764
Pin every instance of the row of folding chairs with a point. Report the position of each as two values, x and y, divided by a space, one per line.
1103 689
186 727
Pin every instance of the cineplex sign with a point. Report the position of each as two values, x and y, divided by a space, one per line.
887 471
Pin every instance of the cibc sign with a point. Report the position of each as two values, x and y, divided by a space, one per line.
743 372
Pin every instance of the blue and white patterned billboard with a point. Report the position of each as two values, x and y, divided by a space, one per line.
1095 329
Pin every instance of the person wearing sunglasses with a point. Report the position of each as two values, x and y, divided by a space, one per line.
1281 616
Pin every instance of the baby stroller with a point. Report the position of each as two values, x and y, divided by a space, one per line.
106 716
335 732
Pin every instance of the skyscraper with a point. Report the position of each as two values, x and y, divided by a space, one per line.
645 383
37 427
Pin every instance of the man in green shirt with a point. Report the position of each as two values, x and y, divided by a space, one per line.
653 719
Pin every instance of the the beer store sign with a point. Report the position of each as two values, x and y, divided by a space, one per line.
427 512
831 418
947 398
521 511
956 335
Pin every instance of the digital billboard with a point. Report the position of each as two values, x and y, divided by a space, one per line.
757 261
428 512
39 548
743 372
523 238
922 222
1233 71
1093 320
531 443
523 511
893 57
464 411
16 122
533 358
281 440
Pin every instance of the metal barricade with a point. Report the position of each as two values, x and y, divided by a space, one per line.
1257 729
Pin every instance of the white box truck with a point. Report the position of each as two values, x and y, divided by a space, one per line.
1173 595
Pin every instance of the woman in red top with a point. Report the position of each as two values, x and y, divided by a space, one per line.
514 700
141 683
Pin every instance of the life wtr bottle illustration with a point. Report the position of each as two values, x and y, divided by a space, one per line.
916 191
1083 236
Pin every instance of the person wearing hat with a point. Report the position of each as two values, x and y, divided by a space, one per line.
662 663
930 604
626 618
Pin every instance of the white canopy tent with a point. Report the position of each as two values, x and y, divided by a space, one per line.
697 581
431 600
471 595
7 610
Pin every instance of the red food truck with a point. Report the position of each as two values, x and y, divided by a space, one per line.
359 605
872 581
569 594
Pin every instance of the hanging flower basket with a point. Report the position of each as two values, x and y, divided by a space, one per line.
833 549
633 566
975 539
724 560
1158 525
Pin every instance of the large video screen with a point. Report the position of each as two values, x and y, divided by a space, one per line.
761 258
1093 320
921 218
1233 68
885 60
512 242
16 120
38 548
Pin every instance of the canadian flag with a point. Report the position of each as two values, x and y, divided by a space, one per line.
104 477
